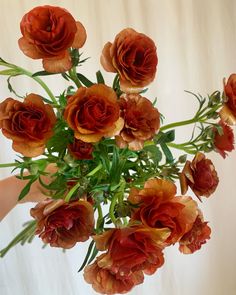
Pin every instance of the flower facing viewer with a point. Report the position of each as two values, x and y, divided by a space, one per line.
48 32
156 206
81 150
93 113
141 119
133 56
200 175
62 224
28 124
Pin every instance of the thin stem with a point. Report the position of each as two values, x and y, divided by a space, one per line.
182 148
100 216
178 124
8 165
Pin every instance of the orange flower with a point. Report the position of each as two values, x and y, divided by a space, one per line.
131 249
29 124
160 209
63 224
228 112
93 113
133 56
48 32
200 175
106 282
224 142
196 237
81 150
142 121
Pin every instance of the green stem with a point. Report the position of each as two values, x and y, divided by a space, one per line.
181 147
178 124
112 208
41 83
8 165
74 78
100 216
95 170
71 192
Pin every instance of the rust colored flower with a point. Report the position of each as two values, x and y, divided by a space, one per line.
80 150
158 207
28 124
141 119
228 112
200 175
106 282
133 56
62 224
131 249
94 113
48 32
196 237
224 142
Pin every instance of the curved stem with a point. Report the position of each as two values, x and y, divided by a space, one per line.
74 78
181 147
100 216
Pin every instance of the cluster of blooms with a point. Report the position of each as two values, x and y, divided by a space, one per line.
101 145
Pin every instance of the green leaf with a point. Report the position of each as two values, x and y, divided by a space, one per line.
26 235
167 152
155 152
11 88
84 80
26 189
90 248
162 137
100 78
42 73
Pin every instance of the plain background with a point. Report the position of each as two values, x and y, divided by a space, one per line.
196 42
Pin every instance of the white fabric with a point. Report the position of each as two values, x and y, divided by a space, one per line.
196 48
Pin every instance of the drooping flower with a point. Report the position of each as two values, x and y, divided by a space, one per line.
29 124
228 112
158 207
224 142
80 150
133 56
200 175
196 237
141 121
62 224
131 249
105 281
93 113
48 32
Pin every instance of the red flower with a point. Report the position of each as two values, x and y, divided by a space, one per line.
225 141
142 121
196 237
158 207
105 281
48 32
63 224
81 150
93 113
200 175
133 56
29 124
131 249
228 112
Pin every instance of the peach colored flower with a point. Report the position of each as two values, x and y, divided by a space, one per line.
200 175
28 124
141 119
133 56
62 224
196 237
228 112
93 113
48 32
80 150
224 142
157 207
106 282
131 249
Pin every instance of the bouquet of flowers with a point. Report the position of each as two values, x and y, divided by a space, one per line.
103 156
